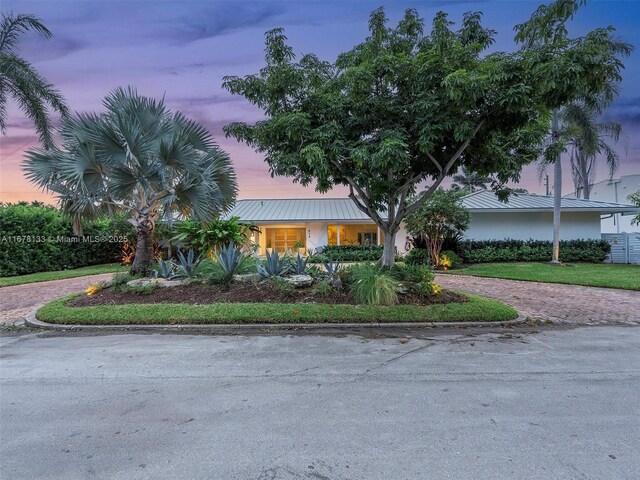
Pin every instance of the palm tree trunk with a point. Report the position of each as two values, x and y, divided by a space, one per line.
584 176
557 192
143 259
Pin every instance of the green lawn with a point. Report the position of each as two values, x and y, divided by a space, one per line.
59 275
477 308
589 274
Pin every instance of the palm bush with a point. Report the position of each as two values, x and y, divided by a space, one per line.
371 286
138 158
274 265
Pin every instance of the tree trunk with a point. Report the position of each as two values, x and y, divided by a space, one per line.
584 174
143 260
557 193
389 253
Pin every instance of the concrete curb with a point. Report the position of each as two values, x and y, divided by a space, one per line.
32 321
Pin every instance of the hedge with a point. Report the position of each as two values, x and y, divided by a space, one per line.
349 253
37 238
487 251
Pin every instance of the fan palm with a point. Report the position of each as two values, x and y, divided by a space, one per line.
21 81
589 139
471 181
139 158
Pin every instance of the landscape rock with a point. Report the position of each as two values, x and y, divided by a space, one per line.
299 281
247 278
160 282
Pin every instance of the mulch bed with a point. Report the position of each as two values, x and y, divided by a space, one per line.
200 294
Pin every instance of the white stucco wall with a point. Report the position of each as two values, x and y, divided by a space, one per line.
532 225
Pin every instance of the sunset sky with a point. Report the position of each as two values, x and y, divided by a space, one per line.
182 49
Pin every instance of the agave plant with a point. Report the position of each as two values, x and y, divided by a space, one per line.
230 259
274 265
189 264
332 267
139 158
166 269
299 267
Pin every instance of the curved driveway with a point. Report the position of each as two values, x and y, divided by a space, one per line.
18 300
566 304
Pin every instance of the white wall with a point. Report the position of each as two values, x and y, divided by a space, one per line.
617 191
532 225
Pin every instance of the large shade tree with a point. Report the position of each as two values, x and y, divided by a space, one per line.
20 80
139 158
405 106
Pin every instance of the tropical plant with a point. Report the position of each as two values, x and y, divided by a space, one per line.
546 30
440 217
189 264
230 259
405 106
165 269
469 181
283 287
209 237
20 80
322 289
371 286
634 198
274 265
137 158
332 267
299 267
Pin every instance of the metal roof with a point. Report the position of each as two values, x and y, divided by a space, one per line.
298 210
486 201
344 210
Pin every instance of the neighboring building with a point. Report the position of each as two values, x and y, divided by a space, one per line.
617 191
313 223
527 216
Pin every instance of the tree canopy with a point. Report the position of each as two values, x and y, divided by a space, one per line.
407 106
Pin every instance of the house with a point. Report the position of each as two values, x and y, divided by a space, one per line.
290 224
310 223
616 190
527 216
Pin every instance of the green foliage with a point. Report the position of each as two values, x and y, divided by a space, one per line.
299 267
283 287
139 289
418 256
349 253
138 158
165 269
488 251
189 264
274 265
230 259
441 216
634 198
211 236
450 259
322 289
332 267
121 278
371 286
38 238
410 273
410 104
18 78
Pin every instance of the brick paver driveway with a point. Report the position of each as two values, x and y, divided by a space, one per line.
567 304
18 300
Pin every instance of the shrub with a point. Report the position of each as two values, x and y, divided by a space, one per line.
208 238
280 285
371 286
412 273
449 259
322 289
418 256
274 265
349 253
230 259
486 251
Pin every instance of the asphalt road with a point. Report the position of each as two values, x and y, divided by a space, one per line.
556 404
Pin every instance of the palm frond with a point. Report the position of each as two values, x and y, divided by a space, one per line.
12 26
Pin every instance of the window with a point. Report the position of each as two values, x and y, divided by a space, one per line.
284 239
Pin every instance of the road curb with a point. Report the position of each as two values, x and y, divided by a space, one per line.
32 321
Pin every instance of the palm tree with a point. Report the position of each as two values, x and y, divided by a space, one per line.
470 181
587 140
21 81
138 158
